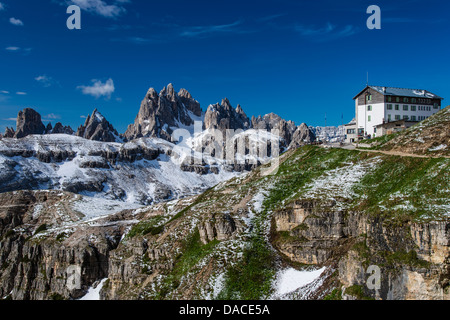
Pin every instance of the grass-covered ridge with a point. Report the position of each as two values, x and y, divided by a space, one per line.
391 186
430 137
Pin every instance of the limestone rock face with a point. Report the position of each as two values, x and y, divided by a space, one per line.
221 228
97 128
60 129
9 133
271 122
36 264
28 122
302 136
413 258
222 117
160 112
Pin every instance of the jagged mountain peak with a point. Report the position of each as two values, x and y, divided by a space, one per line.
97 128
28 122
160 113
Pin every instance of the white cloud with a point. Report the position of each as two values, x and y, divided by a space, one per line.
20 93
2 6
16 22
52 116
201 31
102 8
4 92
45 80
327 32
10 119
13 48
99 89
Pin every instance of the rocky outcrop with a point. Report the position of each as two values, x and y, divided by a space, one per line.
291 135
271 122
302 136
28 122
159 113
430 137
217 228
223 117
9 133
39 264
97 128
60 129
413 258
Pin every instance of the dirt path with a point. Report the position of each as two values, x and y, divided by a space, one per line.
391 153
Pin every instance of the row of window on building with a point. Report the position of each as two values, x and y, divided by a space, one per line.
398 117
405 99
412 108
407 107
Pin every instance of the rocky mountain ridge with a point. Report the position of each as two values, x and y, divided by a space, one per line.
162 113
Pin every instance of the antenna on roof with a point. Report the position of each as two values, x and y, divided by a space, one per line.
367 78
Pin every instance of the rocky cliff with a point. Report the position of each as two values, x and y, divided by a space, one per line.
159 113
223 117
97 128
28 122
413 257
141 171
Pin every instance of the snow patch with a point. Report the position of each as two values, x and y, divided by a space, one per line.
94 292
291 279
438 148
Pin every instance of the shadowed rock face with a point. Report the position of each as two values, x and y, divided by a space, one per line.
97 128
28 122
9 133
291 135
223 116
160 112
302 136
60 129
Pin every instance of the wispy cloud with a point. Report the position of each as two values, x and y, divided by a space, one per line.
2 6
139 40
16 22
21 93
52 116
99 89
204 31
24 52
10 119
326 33
271 17
45 81
12 48
102 8
4 92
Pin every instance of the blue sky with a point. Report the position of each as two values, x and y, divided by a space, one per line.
299 59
